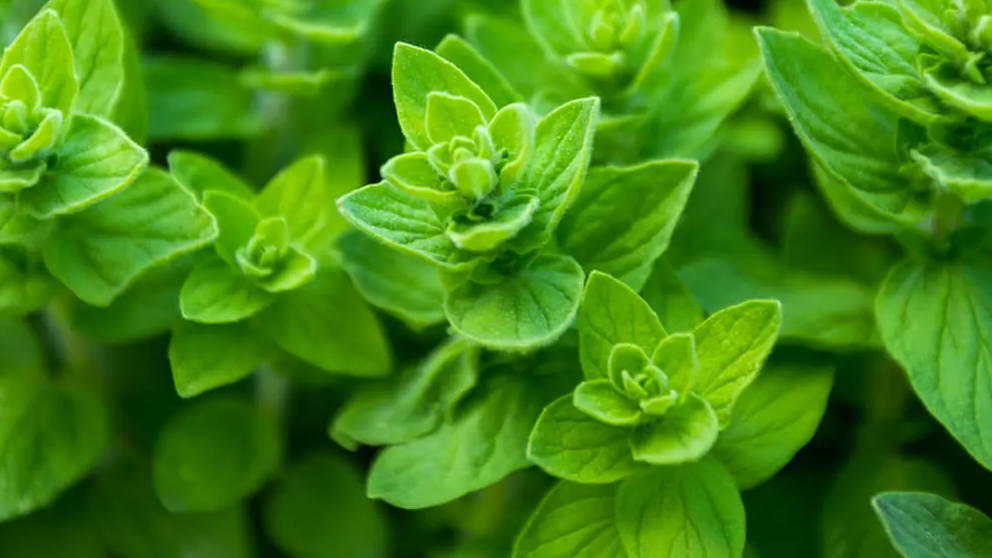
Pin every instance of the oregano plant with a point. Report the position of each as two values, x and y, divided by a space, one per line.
490 279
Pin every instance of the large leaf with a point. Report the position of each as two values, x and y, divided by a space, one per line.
50 437
685 511
624 217
100 251
204 357
773 419
484 442
612 313
923 525
528 309
831 115
573 521
936 320
213 454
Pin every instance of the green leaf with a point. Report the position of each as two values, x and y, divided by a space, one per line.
418 72
935 319
557 168
969 175
571 445
302 195
403 409
922 524
871 41
318 508
612 313
732 346
490 235
133 522
831 115
236 222
198 173
531 308
572 521
603 402
97 38
213 454
483 443
623 219
306 323
671 299
944 80
204 357
43 48
450 116
97 253
461 53
50 437
197 100
686 433
401 221
64 529
690 510
676 356
773 419
213 293
398 283
95 161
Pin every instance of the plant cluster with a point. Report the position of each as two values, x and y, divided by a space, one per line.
535 278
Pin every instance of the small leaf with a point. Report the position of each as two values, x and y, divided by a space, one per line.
95 161
43 48
612 313
571 445
732 346
302 195
449 116
198 173
483 443
97 253
461 53
213 293
686 432
623 219
921 525
572 521
676 512
318 508
213 454
603 402
418 72
676 356
503 226
50 437
236 223
773 419
204 357
306 323
671 299
529 309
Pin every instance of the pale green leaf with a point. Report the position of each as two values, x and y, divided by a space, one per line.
461 53
199 173
573 521
204 357
43 47
301 194
214 293
686 433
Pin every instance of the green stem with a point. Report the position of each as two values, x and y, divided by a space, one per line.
947 217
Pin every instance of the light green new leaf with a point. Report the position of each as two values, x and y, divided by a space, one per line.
400 220
418 72
601 400
831 114
97 38
236 222
686 433
318 509
967 174
307 322
198 173
204 357
43 47
50 437
572 521
212 454
95 161
402 285
612 313
936 320
461 53
570 444
557 167
301 194
405 408
685 511
773 419
922 525
449 116
732 346
528 309
214 293
624 217
97 253
484 442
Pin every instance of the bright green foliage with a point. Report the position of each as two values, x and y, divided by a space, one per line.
923 524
